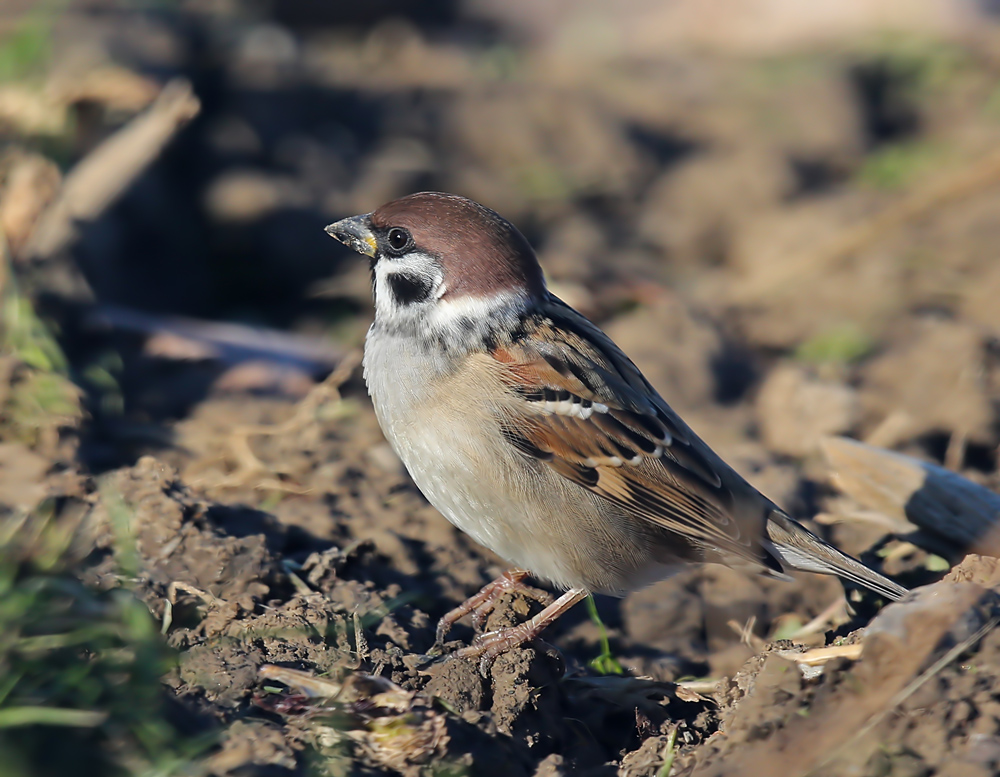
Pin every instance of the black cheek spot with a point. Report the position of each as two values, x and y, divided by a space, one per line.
408 289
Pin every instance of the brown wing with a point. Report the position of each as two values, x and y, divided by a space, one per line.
589 413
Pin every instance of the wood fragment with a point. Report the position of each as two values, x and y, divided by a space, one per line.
915 494
101 177
226 341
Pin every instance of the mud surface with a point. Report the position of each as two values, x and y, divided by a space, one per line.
349 581
790 245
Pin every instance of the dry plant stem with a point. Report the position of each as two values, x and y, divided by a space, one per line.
227 341
205 596
360 641
745 632
488 646
892 430
480 604
820 622
248 466
955 453
819 656
98 180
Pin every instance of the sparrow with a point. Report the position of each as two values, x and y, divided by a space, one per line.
532 432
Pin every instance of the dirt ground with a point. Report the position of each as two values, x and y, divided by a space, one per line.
791 245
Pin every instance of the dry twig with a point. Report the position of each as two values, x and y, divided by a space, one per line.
819 656
832 613
100 178
226 341
248 466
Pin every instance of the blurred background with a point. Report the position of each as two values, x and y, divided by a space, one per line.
724 183
787 213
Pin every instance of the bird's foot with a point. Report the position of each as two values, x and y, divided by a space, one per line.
490 645
484 602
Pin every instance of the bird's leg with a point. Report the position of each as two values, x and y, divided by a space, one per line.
482 612
482 603
488 646
484 598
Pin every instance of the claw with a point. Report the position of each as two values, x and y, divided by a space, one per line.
488 646
480 604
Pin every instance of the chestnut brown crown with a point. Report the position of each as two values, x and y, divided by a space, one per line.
480 252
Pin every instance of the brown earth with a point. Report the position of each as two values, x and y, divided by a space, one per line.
790 246
360 553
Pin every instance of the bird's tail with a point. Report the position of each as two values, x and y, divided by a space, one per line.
798 548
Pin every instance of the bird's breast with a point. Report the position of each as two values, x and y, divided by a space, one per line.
442 420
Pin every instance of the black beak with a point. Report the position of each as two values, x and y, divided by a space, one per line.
356 233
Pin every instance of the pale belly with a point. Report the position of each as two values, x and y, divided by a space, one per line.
517 508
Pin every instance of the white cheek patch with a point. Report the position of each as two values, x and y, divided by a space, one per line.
463 324
455 312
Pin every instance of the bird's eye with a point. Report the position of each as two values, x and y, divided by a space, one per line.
398 239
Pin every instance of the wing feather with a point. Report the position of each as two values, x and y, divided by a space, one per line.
585 410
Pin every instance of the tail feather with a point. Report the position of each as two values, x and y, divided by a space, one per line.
798 548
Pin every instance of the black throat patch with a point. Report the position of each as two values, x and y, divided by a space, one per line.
408 289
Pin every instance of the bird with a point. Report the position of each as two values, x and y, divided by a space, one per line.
532 432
